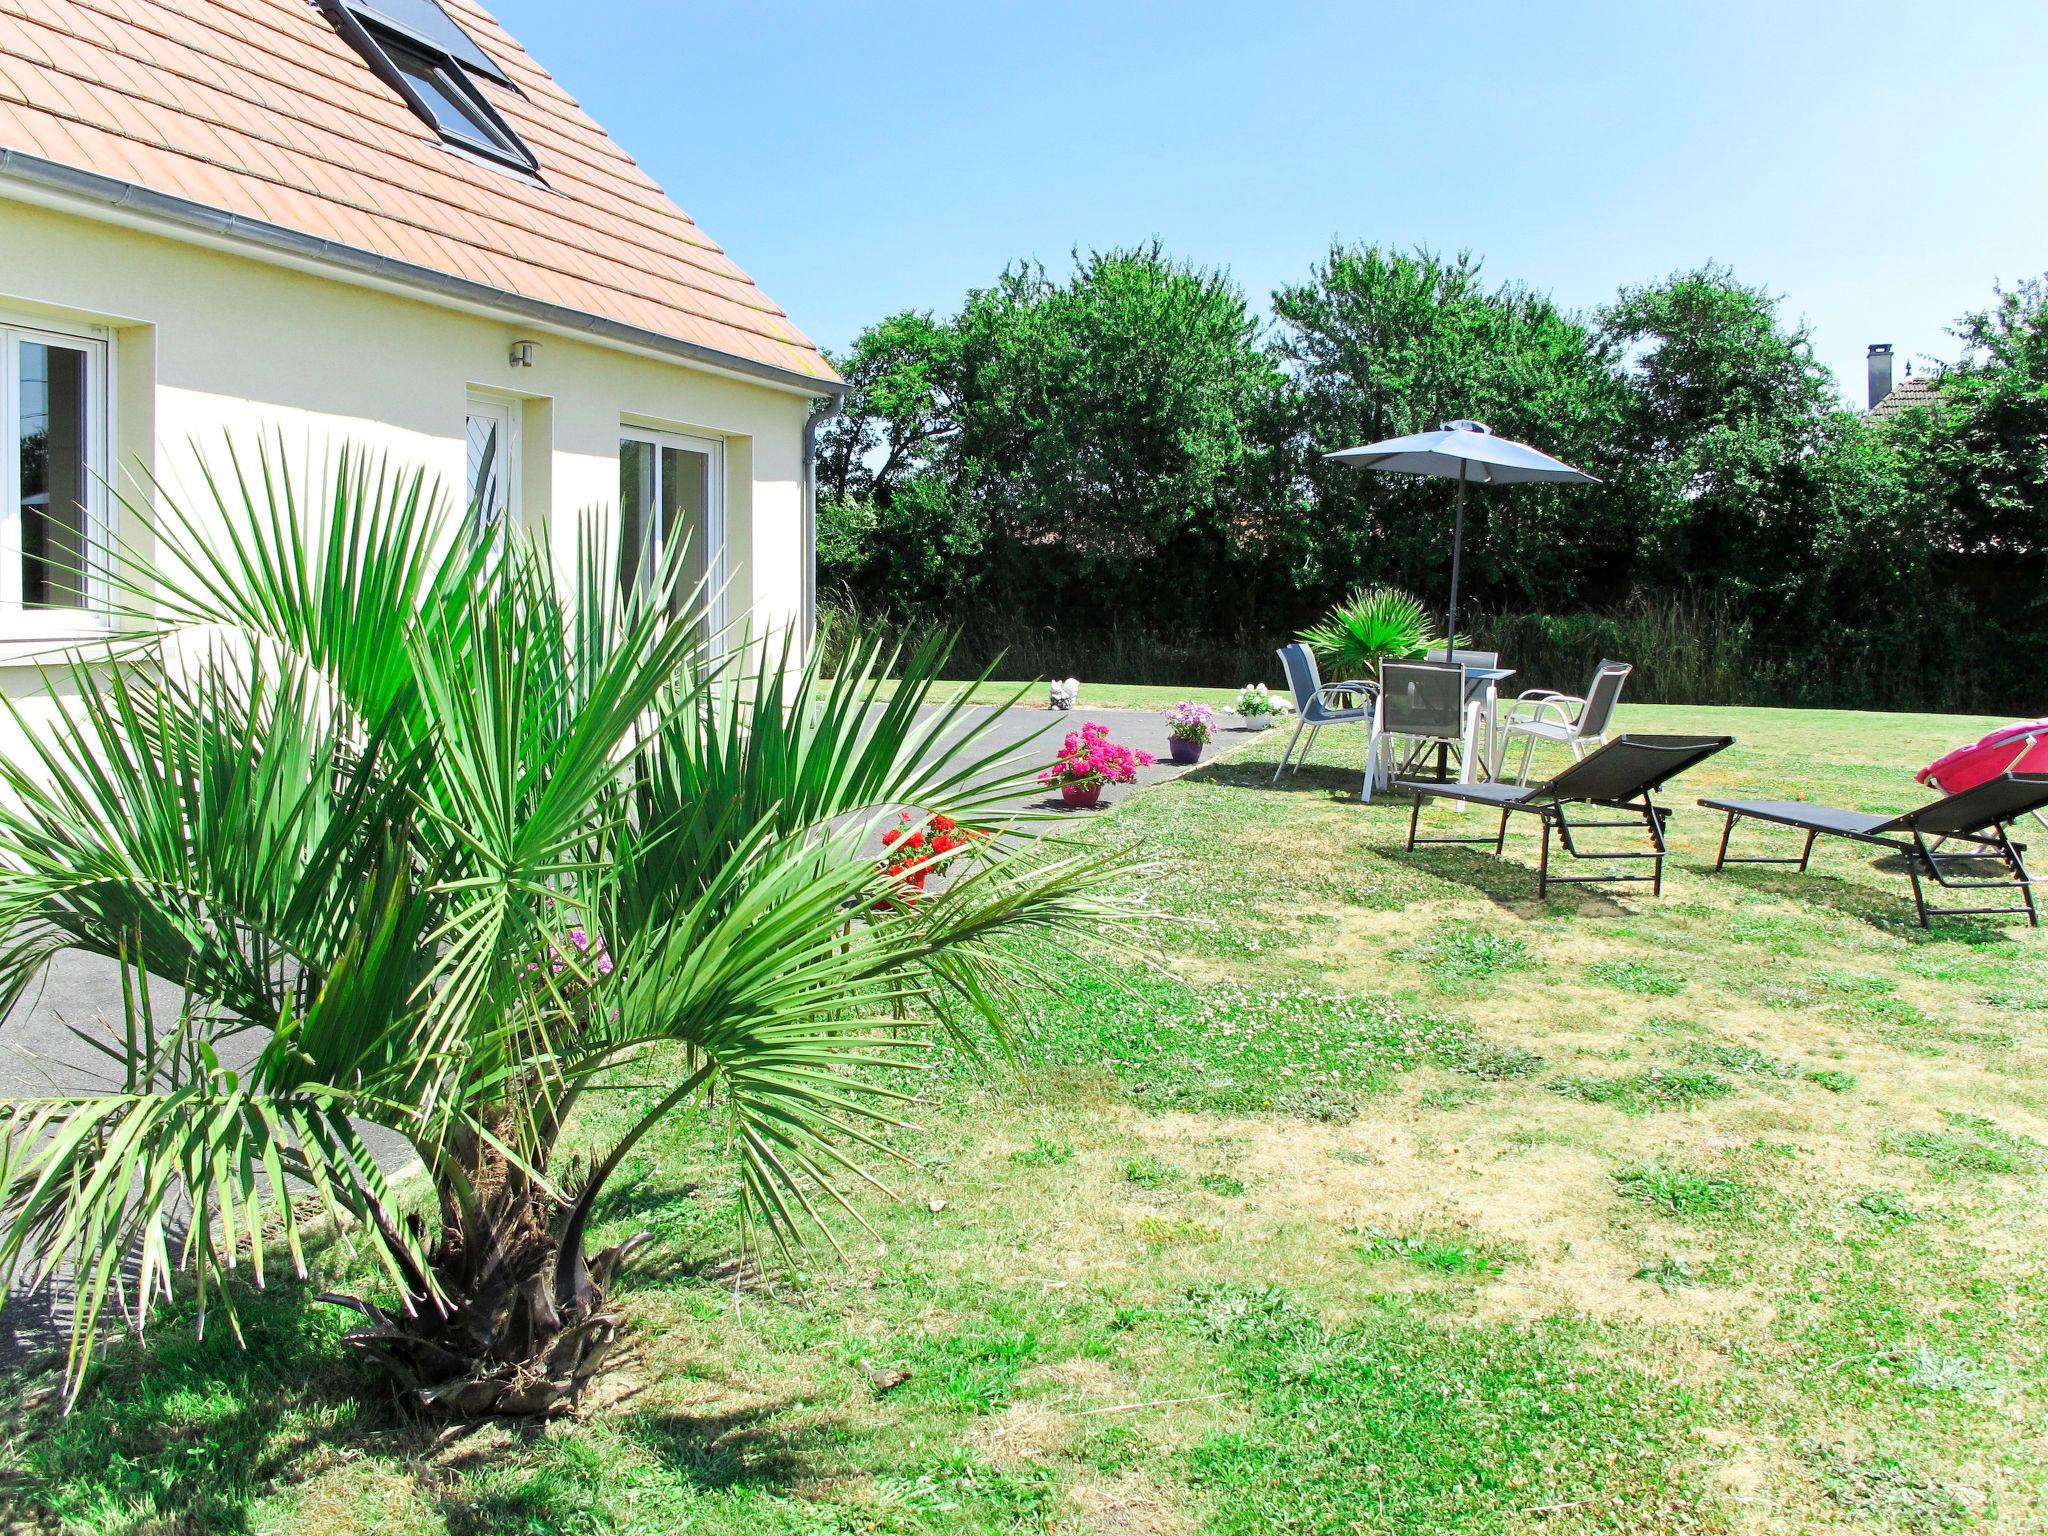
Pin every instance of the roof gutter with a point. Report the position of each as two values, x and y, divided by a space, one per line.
181 216
823 412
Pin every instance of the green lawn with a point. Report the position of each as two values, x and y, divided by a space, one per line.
1388 1199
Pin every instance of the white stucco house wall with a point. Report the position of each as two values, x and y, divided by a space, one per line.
376 222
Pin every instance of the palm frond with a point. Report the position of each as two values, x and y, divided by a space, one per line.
1372 625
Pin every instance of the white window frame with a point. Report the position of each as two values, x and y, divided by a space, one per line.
714 508
17 621
503 412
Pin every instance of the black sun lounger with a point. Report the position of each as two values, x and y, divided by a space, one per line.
1622 776
1978 818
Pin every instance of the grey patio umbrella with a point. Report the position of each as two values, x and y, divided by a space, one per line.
1465 451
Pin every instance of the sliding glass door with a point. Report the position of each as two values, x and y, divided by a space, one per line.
671 507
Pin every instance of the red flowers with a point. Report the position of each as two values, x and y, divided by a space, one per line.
914 850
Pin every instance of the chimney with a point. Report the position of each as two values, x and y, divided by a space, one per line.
1880 371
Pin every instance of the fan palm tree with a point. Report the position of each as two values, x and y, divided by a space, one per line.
1372 625
427 838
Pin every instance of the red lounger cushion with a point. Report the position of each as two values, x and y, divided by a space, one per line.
2003 751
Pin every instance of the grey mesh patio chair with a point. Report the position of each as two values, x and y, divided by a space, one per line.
1980 818
1622 776
1568 720
1423 705
1316 702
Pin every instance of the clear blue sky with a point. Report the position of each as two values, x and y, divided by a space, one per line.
1879 164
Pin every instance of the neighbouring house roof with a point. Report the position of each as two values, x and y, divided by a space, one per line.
261 110
1906 394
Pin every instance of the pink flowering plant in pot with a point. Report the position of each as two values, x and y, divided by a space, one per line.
1190 726
1089 760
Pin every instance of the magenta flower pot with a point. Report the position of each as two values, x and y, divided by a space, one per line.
1081 796
1184 751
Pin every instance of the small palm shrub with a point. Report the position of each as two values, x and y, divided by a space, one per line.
429 838
1372 625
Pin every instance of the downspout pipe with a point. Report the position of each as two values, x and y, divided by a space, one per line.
831 406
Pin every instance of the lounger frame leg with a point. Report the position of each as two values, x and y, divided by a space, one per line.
1724 858
1923 861
1644 813
1415 816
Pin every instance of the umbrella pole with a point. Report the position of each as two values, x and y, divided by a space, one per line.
1457 553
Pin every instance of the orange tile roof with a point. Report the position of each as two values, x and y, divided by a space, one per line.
259 108
1908 393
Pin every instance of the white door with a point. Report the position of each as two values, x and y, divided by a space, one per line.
493 480
672 499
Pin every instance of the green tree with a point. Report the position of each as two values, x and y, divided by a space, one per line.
1728 415
892 529
1380 343
1979 453
1104 432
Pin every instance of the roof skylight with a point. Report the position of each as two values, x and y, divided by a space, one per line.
419 51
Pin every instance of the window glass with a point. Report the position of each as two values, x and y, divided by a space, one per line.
666 491
426 21
52 430
686 490
637 468
456 112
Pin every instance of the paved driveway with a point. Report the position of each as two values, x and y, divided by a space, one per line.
1039 732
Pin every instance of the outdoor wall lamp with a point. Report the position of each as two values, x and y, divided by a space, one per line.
523 353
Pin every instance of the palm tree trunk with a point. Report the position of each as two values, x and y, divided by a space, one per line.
512 1318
